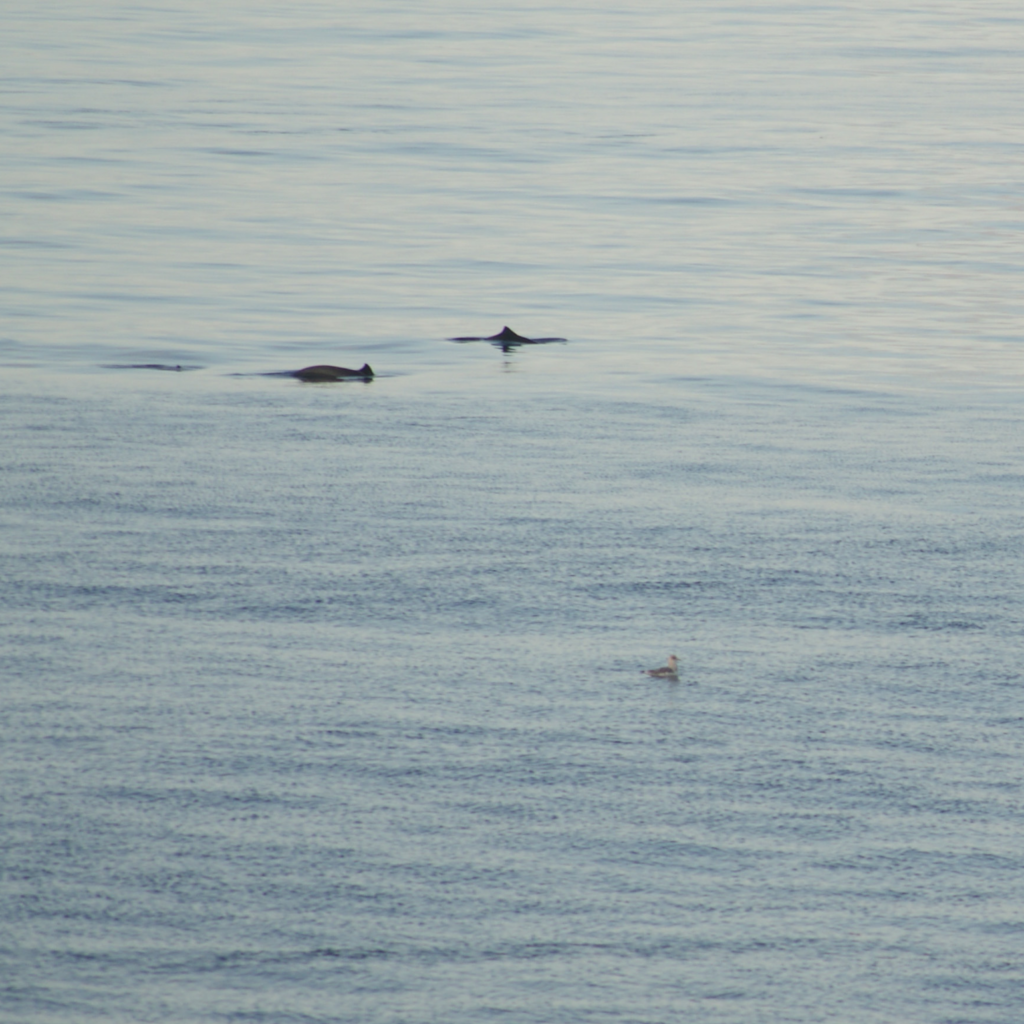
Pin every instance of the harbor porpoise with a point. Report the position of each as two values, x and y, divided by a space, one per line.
147 366
507 339
321 373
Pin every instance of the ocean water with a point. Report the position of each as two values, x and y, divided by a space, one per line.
325 703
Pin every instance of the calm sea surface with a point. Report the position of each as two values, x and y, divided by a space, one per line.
324 703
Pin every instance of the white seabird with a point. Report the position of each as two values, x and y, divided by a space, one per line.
669 671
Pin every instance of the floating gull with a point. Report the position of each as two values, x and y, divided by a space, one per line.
669 671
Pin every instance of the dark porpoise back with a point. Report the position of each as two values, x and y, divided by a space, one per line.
147 366
507 339
317 374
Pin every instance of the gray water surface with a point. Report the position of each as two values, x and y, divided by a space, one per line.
324 702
